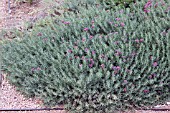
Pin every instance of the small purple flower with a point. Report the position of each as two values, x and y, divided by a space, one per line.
152 75
125 81
83 39
83 57
146 11
90 65
118 68
122 24
110 22
116 42
156 4
137 40
117 19
124 89
69 51
102 66
86 49
118 53
86 29
102 56
93 52
121 11
66 23
116 25
76 57
80 65
146 91
155 64
91 37
115 32
75 47
39 34
32 69
92 21
133 54
92 26
151 57
141 40
38 68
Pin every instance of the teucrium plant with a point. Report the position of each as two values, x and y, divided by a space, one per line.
96 60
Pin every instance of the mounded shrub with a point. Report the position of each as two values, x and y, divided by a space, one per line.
96 60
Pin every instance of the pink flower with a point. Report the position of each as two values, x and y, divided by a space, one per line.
151 57
146 11
155 64
121 11
86 49
156 5
115 32
125 81
141 40
76 56
91 37
122 24
33 69
116 42
118 53
137 40
102 66
118 68
145 91
152 75
39 34
75 47
66 23
92 61
118 19
80 65
86 29
93 52
38 68
102 56
90 65
110 22
69 51
92 21
83 39
92 26
124 90
83 57
116 25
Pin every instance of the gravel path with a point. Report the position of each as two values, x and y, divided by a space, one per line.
10 98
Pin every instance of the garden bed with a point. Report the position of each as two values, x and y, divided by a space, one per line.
10 98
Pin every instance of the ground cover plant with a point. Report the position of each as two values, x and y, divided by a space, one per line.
96 60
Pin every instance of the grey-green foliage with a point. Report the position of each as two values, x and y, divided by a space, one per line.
122 62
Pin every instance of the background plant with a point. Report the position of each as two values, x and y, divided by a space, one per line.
96 60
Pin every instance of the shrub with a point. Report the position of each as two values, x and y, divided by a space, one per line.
96 60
